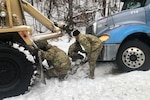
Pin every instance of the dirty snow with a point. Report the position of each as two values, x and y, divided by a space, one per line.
107 85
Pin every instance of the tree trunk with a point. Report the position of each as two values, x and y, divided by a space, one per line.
32 2
70 13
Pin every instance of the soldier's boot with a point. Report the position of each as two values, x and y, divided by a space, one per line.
51 73
62 77
91 76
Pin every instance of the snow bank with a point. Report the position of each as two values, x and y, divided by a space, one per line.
107 85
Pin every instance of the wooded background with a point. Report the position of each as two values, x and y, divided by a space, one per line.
74 12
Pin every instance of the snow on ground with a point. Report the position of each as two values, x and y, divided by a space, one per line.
107 85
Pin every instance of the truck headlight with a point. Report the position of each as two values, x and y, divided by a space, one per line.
104 37
2 14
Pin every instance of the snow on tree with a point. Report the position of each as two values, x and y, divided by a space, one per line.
74 12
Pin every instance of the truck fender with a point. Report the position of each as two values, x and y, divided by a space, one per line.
117 35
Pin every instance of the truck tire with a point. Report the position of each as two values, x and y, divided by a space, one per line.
133 55
15 72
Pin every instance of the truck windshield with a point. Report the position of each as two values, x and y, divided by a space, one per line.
147 2
132 4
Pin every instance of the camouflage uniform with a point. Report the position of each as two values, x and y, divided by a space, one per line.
58 59
73 51
93 47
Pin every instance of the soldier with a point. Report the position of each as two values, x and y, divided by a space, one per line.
55 57
92 46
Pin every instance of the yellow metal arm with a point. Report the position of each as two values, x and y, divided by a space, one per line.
38 16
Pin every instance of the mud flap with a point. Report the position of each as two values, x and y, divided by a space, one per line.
42 76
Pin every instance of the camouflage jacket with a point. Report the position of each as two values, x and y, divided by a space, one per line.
75 48
89 42
56 57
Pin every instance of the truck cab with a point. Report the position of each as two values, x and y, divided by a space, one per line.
125 36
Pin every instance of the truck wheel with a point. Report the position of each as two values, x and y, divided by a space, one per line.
15 72
133 55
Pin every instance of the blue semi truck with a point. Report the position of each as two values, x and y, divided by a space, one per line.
125 36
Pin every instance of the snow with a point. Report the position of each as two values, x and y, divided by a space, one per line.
107 84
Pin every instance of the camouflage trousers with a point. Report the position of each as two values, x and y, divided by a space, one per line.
55 72
92 60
